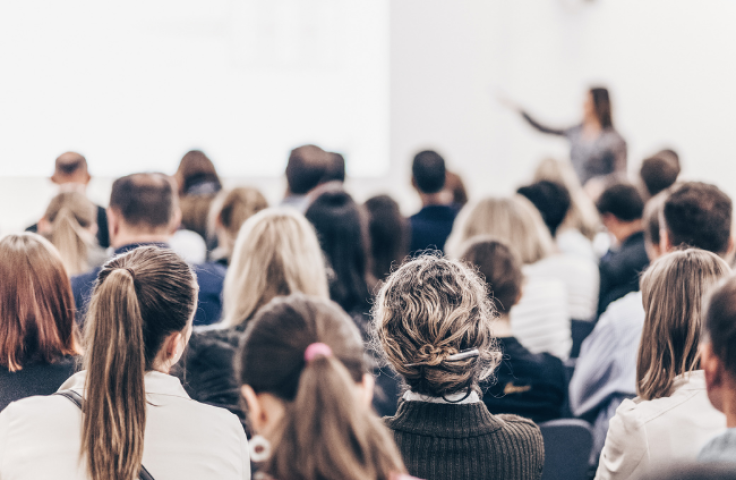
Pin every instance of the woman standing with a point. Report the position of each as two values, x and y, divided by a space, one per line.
596 148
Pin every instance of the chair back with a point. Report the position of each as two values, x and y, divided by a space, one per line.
567 446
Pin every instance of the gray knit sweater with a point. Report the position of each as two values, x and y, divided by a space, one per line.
466 442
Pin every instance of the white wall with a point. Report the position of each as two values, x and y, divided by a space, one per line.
669 64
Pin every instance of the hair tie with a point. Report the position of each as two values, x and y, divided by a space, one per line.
316 349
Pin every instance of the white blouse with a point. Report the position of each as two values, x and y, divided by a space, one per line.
648 434
40 436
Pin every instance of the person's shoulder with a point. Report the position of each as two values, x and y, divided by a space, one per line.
210 274
85 280
516 425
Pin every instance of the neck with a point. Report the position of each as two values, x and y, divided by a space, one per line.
625 230
502 326
122 239
429 199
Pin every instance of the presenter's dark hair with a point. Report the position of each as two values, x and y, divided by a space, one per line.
602 106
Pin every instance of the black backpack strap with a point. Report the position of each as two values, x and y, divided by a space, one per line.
74 397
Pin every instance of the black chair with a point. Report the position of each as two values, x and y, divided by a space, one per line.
580 330
567 446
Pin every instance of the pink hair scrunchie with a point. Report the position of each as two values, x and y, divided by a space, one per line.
316 349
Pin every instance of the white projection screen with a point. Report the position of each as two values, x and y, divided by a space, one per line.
133 85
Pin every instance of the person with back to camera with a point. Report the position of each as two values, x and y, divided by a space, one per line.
276 254
71 175
671 418
305 171
659 172
38 335
596 148
304 377
230 211
70 224
144 210
389 234
621 208
433 321
530 385
431 226
134 416
718 360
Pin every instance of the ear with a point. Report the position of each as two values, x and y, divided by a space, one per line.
44 226
113 223
714 374
518 297
665 245
174 345
256 412
365 388
731 249
175 221
414 183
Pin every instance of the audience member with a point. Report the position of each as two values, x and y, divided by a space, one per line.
431 226
230 212
38 334
70 224
308 390
71 175
389 234
659 173
306 168
551 199
557 288
276 254
671 418
582 217
455 185
144 210
698 215
621 209
529 385
197 175
433 321
718 360
335 171
135 415
342 231
605 371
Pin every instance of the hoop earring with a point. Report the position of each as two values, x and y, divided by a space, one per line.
260 449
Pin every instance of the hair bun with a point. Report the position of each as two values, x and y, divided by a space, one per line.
432 355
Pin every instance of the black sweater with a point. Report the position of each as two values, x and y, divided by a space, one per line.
466 442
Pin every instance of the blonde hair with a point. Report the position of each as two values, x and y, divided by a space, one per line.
139 299
672 291
232 208
69 214
582 215
513 220
432 308
276 253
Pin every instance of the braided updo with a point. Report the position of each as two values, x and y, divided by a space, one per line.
432 308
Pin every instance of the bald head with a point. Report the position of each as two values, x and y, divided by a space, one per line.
146 201
70 167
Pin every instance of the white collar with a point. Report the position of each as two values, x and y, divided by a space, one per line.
454 399
156 383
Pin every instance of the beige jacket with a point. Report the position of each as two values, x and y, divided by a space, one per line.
184 439
646 434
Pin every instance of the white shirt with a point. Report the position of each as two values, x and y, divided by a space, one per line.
646 435
571 242
540 321
40 436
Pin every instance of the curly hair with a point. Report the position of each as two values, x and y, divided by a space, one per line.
432 308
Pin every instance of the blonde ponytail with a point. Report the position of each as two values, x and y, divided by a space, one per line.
115 405
67 237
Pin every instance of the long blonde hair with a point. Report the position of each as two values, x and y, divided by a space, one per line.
71 215
513 220
582 215
276 253
140 298
672 292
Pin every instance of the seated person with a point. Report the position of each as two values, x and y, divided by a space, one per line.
305 171
659 172
433 321
431 226
144 210
529 385
671 418
621 209
718 361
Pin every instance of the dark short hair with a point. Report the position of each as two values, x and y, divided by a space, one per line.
428 169
720 323
306 168
335 171
342 233
623 201
144 199
551 199
698 215
658 173
500 266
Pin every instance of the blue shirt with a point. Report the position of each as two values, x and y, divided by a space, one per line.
431 226
210 277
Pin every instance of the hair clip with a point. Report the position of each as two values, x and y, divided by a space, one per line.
455 357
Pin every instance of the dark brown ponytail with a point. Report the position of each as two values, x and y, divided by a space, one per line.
140 298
